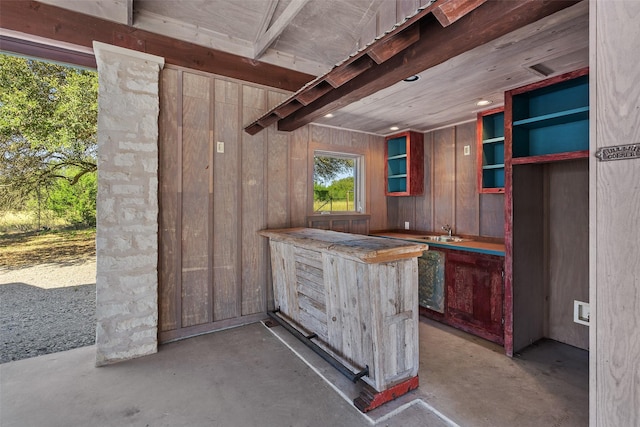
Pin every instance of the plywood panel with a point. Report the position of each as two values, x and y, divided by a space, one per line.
226 276
195 200
298 152
423 219
376 199
169 169
615 203
568 249
277 179
254 175
529 276
467 219
492 215
444 174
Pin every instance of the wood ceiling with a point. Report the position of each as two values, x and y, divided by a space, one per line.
311 36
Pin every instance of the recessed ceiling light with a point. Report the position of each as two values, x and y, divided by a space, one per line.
328 116
483 102
394 128
412 78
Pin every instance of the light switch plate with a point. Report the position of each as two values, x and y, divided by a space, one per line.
220 147
467 150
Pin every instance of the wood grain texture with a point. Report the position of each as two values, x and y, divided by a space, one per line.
253 210
492 215
375 199
529 275
72 27
365 314
424 208
195 200
444 175
169 169
298 184
226 270
568 230
614 207
467 204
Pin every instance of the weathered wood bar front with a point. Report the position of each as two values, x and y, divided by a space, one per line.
357 298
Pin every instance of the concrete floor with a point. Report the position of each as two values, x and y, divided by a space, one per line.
255 376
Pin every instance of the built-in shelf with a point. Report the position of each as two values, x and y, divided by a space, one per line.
497 166
549 118
404 164
490 149
559 118
493 140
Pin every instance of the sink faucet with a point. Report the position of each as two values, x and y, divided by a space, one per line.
447 228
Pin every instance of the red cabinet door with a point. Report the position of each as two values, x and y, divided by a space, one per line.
475 294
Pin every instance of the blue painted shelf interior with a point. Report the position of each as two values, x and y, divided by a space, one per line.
493 150
552 120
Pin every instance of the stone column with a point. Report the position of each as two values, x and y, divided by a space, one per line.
127 205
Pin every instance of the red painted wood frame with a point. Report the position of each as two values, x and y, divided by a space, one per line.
509 161
479 151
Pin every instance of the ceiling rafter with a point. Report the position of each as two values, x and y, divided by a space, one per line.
266 19
419 43
266 39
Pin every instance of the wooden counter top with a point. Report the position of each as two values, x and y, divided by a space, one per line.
472 245
357 247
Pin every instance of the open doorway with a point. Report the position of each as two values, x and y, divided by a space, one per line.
48 187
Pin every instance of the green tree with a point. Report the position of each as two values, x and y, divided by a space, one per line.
48 122
338 189
326 168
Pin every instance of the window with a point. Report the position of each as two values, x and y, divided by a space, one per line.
338 182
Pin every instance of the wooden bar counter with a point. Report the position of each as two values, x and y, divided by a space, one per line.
359 296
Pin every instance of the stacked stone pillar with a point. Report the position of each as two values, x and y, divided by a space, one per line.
127 205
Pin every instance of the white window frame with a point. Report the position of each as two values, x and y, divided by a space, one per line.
359 178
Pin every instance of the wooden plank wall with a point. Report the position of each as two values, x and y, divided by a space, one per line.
568 249
614 205
214 268
451 195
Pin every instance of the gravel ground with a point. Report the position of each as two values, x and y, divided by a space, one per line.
46 308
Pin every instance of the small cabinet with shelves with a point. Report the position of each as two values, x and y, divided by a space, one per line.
490 151
404 164
549 120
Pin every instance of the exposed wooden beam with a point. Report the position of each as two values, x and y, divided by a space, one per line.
380 52
263 43
449 11
129 6
52 53
436 45
266 19
54 23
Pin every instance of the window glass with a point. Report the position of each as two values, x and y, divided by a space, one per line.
337 182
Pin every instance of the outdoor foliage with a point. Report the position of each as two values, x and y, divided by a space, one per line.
328 168
48 122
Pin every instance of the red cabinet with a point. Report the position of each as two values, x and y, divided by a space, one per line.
474 294
473 291
404 164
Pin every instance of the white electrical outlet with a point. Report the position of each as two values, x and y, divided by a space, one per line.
406 225
467 150
220 147
581 312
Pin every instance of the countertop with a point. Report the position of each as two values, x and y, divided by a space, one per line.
471 245
354 246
